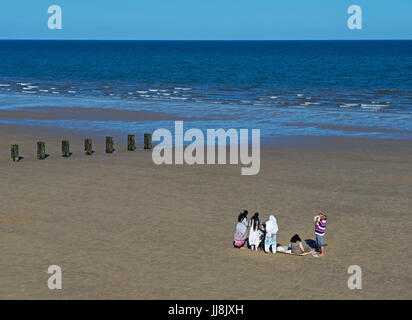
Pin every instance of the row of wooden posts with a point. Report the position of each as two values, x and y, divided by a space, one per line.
41 147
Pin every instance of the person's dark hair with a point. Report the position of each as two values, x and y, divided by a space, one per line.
295 238
255 221
242 215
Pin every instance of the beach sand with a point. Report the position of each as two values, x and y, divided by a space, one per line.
121 227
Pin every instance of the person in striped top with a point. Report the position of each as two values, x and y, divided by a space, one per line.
320 227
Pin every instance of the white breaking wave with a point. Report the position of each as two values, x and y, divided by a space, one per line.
372 105
377 102
310 103
30 87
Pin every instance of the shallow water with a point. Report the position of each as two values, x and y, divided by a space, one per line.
320 88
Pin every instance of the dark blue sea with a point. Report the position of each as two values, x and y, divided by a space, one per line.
284 88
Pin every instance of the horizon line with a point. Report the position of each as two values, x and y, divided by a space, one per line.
40 39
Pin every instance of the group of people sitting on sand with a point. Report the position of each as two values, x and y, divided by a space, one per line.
262 236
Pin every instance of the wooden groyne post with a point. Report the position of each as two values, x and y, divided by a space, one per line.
148 141
65 148
109 145
41 150
131 143
88 149
15 152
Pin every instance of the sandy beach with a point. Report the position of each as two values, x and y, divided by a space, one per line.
121 227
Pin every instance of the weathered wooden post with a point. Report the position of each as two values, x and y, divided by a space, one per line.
131 144
88 147
148 141
109 145
41 150
65 148
15 152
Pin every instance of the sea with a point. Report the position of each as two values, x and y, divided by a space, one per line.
284 88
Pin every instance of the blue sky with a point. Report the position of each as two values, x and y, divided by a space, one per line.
206 19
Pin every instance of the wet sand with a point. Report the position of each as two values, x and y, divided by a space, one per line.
68 113
121 227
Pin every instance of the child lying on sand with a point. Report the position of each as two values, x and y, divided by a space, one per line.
297 246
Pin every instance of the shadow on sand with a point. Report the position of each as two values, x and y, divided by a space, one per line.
311 243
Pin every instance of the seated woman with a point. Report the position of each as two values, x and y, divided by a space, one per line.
241 230
297 246
270 236
254 232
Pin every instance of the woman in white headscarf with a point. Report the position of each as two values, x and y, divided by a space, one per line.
271 231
